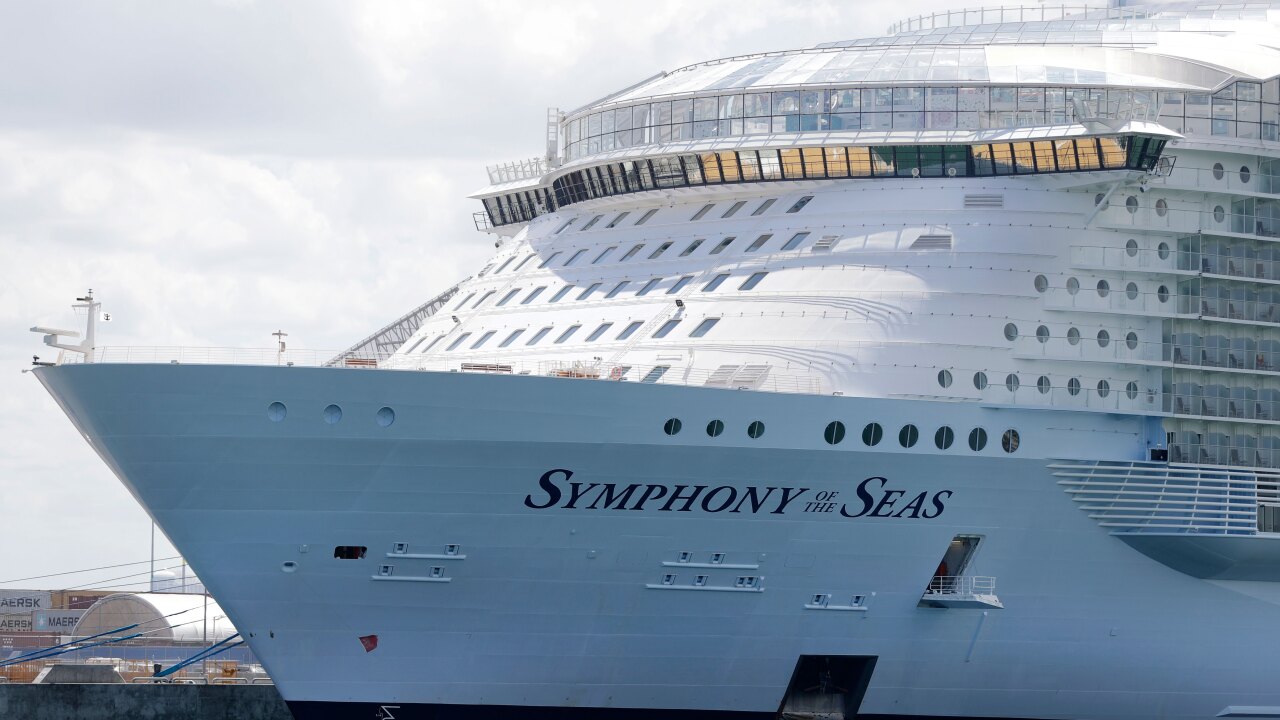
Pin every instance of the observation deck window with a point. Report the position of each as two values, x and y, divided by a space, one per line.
666 328
680 284
630 329
533 294
617 289
648 286
560 294
538 336
631 253
595 334
568 333
511 338
759 242
704 327
754 280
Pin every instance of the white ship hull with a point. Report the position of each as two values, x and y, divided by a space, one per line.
548 601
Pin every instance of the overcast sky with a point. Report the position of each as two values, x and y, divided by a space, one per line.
217 171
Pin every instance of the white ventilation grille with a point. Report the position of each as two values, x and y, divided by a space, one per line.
932 242
738 376
824 244
984 200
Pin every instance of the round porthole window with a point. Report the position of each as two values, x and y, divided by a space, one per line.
1131 390
871 434
944 378
944 437
755 429
1073 285
1104 288
1041 283
1245 174
385 417
1011 382
332 414
1042 334
1131 204
1073 386
1131 340
1104 338
1073 336
1131 291
1162 250
1010 332
1097 199
714 428
1043 384
1218 171
1009 441
834 433
1162 207
672 426
977 439
276 411
1162 294
1131 248
908 436
1104 388
1219 214
980 380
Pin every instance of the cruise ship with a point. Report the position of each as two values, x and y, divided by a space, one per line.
934 374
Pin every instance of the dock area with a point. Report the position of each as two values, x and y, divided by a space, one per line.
121 701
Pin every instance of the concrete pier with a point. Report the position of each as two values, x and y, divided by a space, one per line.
142 702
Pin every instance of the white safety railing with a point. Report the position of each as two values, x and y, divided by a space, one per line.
518 170
224 356
962 585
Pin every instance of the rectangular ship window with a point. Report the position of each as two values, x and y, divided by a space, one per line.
669 579
692 246
723 244
386 570
631 252
705 209
575 257
700 581
648 286
400 548
752 281
661 249
795 241
645 217
567 333
535 293
507 298
587 293
565 226
630 330
733 209
655 374
800 204
617 289
614 223
759 242
451 549
483 339
703 328
560 293
764 206
591 223
745 581
715 282
539 335
680 284
595 334
547 262
511 338
666 328
604 254
458 341
350 552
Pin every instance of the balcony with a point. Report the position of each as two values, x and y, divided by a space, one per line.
961 592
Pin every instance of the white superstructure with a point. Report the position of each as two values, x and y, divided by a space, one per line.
935 374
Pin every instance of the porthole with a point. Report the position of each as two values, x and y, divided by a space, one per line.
834 433
276 411
714 428
1104 388
944 378
1162 251
385 417
1162 207
977 439
1218 171
908 436
1010 332
755 429
1041 283
1219 214
1073 386
1097 199
1073 336
332 414
944 437
1131 390
1131 291
1011 382
1104 288
1104 338
1131 204
672 426
1162 294
1043 384
1131 340
1245 174
1010 440
1131 248
871 434
980 380
1073 285
1042 334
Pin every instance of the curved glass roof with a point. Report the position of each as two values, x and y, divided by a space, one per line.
1189 46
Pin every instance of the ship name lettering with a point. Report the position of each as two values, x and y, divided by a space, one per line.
557 489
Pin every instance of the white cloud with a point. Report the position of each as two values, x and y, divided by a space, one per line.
216 171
